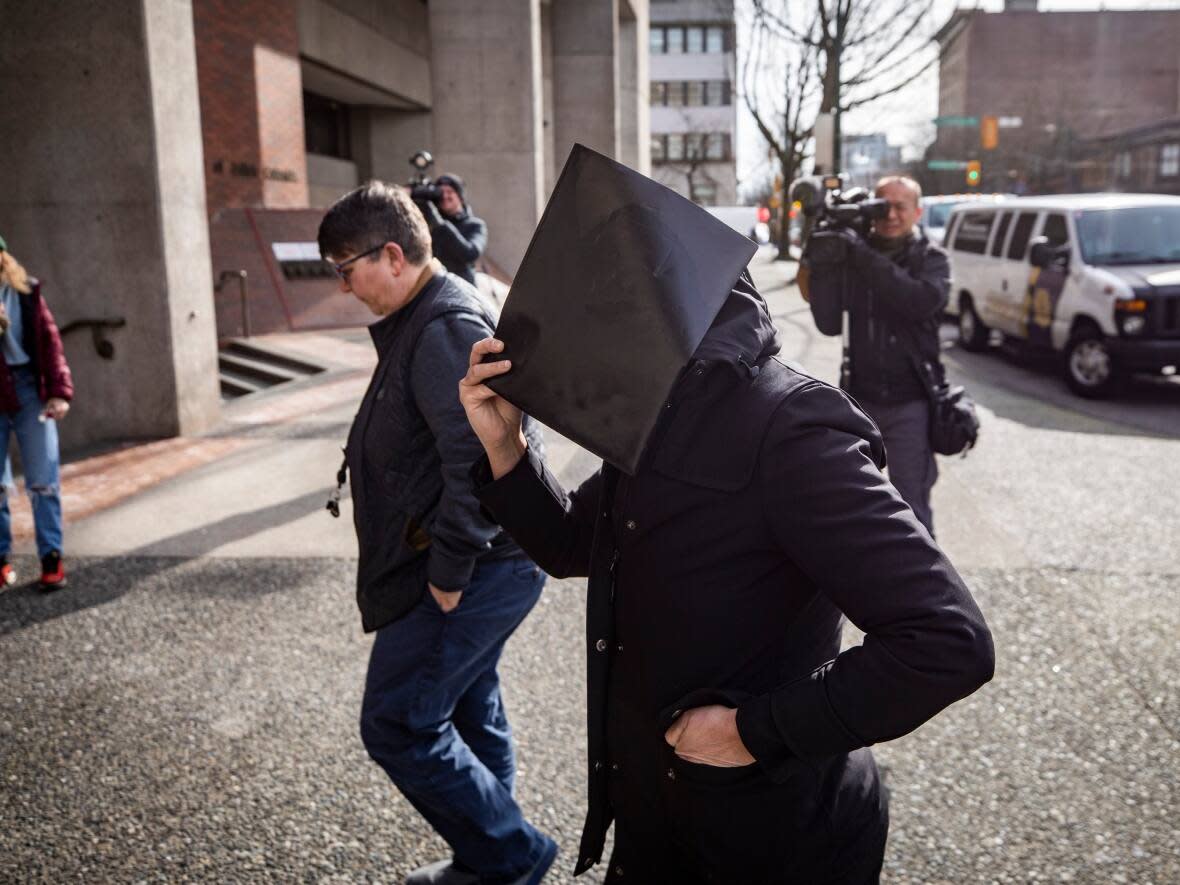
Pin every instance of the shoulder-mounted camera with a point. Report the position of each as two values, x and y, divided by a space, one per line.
828 210
420 185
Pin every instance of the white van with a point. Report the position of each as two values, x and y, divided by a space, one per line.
1095 277
936 211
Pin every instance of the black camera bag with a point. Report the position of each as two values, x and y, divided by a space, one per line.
954 423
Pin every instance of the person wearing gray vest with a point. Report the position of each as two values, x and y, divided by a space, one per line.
441 586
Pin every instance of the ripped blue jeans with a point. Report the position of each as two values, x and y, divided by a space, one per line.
39 455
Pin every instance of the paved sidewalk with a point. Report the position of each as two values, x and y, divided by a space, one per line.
255 485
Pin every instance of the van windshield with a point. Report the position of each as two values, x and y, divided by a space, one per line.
1135 235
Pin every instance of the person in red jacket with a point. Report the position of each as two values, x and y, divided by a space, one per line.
35 393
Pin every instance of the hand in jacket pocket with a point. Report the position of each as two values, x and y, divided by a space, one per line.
709 736
447 600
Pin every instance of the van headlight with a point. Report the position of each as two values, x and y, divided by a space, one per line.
1134 324
1130 315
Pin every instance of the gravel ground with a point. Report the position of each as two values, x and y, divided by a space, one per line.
198 723
194 718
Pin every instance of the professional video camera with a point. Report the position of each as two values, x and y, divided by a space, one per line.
420 185
828 210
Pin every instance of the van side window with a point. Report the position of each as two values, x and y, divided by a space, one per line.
1056 230
951 227
1019 244
973 231
998 242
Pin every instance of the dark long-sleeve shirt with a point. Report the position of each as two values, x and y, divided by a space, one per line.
458 242
894 304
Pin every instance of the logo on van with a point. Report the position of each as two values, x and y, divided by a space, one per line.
1045 285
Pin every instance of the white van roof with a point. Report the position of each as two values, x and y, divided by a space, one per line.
1069 202
935 199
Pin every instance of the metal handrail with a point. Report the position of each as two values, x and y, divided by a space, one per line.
104 347
241 276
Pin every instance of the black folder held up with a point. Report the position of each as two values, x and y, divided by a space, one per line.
618 287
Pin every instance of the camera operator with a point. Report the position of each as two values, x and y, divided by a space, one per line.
457 237
897 283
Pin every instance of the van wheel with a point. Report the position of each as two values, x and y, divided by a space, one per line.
1089 368
973 334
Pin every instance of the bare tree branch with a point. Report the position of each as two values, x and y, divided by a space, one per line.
779 22
891 89
893 43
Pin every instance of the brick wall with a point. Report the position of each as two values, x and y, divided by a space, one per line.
253 137
1095 72
240 239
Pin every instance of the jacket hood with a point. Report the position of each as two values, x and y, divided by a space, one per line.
742 334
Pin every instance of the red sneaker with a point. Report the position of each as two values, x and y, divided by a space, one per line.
7 573
53 571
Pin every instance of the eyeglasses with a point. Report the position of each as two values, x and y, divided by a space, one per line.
342 268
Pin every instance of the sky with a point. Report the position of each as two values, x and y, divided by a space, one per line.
906 117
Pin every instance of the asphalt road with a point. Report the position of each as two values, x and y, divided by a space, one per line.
186 711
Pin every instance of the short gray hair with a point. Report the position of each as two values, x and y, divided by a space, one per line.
905 181
372 215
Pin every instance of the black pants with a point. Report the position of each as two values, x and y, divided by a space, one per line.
911 468
860 862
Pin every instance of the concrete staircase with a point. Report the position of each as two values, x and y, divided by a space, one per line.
245 367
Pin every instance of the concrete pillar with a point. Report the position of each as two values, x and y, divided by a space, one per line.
585 76
486 115
383 140
102 196
634 103
548 142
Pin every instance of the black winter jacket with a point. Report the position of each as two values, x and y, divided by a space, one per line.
458 241
410 452
720 573
894 305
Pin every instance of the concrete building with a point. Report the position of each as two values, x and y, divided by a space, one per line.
165 147
693 111
865 158
1050 78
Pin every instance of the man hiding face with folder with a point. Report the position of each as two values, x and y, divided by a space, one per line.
739 516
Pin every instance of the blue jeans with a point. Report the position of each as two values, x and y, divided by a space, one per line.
39 455
432 717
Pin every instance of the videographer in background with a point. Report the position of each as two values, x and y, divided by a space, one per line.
897 284
457 237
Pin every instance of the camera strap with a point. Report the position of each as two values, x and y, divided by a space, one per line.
845 333
333 505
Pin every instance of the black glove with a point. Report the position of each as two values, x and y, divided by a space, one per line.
429 212
839 246
855 245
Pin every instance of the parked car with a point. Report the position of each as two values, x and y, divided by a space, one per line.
1093 277
749 221
936 210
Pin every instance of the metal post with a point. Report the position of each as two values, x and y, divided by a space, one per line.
837 135
241 276
245 304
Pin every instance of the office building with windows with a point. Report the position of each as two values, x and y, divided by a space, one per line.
692 95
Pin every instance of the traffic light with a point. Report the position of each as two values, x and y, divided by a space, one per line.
989 133
973 172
